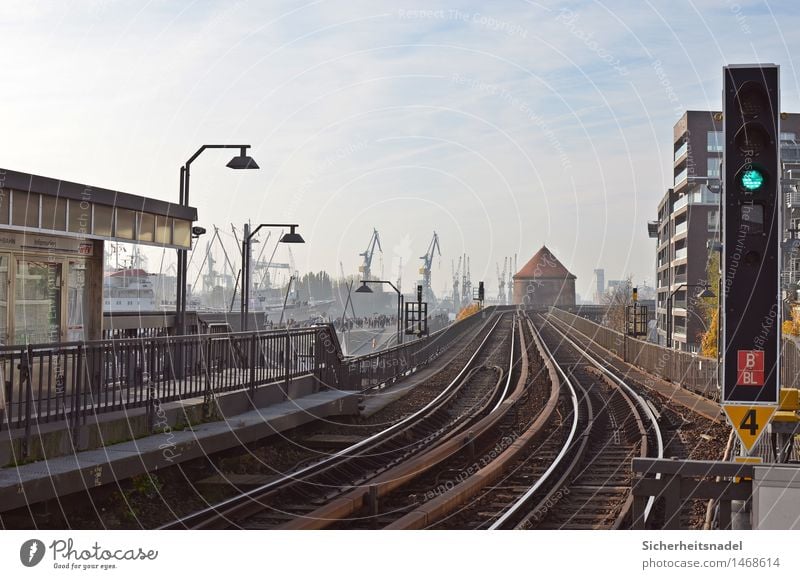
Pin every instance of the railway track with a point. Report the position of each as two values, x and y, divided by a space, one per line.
577 477
507 466
476 387
587 485
578 473
402 489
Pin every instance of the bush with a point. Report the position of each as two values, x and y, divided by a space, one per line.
468 311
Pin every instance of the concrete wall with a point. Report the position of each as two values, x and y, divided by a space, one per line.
54 439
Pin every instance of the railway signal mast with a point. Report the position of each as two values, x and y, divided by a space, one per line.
750 330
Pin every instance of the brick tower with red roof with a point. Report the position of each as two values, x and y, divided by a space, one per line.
544 281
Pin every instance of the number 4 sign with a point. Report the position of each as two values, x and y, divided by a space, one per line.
749 421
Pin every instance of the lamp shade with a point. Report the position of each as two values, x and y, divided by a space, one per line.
364 289
707 293
292 237
242 162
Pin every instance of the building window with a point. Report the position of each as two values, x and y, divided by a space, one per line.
788 137
715 141
147 227
163 230
125 225
5 197
25 212
37 304
54 213
103 220
713 221
80 217
714 166
182 233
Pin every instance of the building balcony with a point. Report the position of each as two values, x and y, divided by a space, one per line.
682 151
792 199
681 177
681 228
681 253
700 196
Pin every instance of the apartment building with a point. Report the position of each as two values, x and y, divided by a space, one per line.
688 222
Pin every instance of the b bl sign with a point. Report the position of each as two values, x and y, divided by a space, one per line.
750 368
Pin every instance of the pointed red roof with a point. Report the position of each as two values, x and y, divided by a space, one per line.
544 265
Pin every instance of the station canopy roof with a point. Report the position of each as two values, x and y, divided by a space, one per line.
31 203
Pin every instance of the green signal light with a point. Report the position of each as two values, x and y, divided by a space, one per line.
752 179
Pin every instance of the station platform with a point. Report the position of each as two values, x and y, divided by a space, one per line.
30 483
118 446
360 341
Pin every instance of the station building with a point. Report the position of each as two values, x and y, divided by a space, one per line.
544 281
52 234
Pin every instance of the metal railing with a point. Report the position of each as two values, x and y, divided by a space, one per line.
69 382
380 367
681 481
693 372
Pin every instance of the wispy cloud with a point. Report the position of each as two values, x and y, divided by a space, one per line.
502 126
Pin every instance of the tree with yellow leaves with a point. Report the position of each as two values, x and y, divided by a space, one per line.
467 311
708 344
708 347
792 327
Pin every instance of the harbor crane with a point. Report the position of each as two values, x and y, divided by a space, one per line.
365 269
466 283
510 283
501 282
400 275
456 274
425 270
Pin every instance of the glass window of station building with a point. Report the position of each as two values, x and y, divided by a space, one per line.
51 252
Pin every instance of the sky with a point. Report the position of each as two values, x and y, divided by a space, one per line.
502 126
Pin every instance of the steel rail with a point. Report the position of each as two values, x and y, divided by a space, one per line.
226 508
511 363
631 392
450 444
520 503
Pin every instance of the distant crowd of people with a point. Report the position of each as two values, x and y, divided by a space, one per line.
372 322
375 321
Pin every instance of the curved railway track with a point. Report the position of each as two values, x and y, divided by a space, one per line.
587 485
569 469
576 476
477 385
433 486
